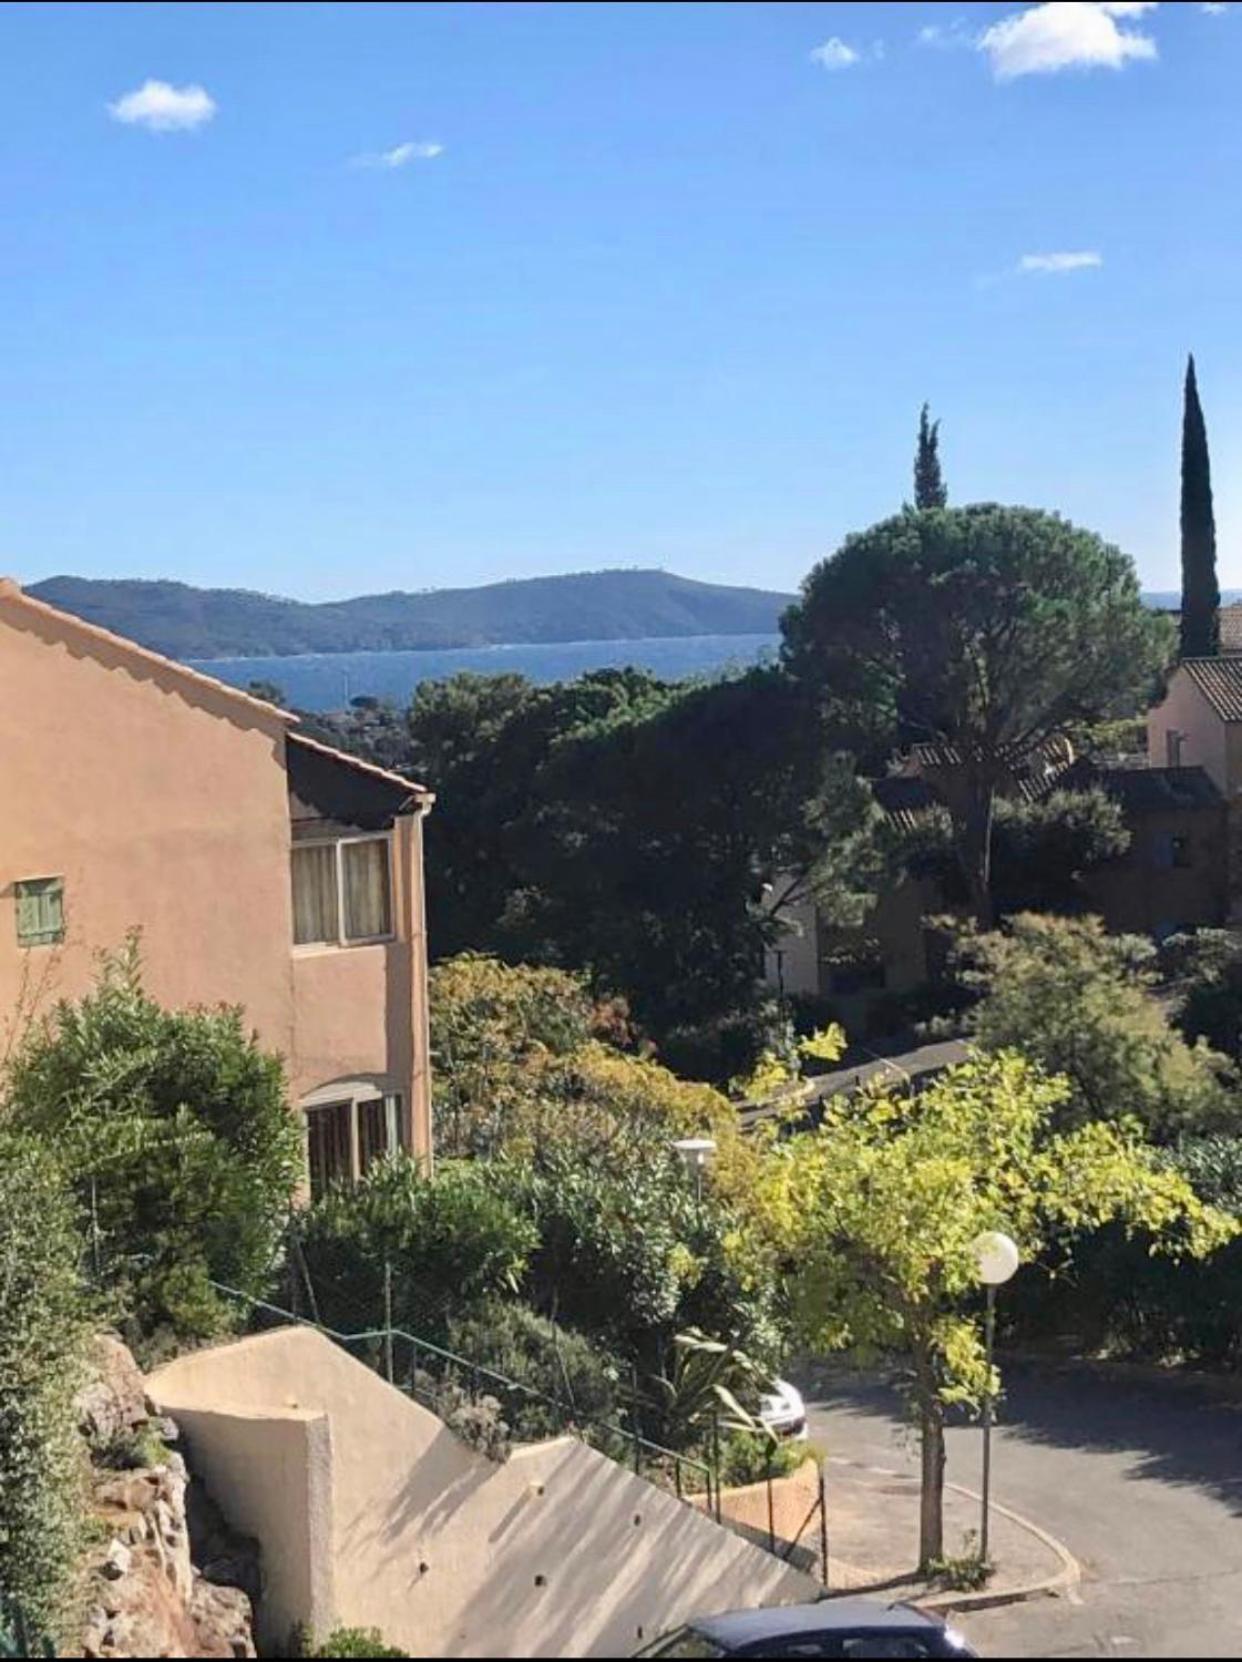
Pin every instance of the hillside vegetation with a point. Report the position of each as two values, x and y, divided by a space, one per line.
186 622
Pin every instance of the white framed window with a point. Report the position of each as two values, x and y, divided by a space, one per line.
342 891
345 1138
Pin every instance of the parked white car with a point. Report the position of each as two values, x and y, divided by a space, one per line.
783 1411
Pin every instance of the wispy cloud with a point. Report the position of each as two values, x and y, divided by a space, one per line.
1214 8
1067 34
1057 264
163 108
835 54
956 33
401 155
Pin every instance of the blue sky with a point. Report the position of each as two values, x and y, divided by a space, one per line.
652 284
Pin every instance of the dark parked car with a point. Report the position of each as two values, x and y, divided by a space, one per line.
830 1627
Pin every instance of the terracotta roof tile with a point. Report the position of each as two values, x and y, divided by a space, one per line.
1220 682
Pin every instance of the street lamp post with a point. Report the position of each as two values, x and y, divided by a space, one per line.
697 1154
998 1259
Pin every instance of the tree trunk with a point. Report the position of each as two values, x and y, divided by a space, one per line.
931 1505
975 843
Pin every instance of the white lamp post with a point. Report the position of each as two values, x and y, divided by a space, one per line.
998 1259
697 1154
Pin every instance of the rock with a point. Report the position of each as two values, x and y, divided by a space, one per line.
113 1403
144 1596
222 1620
118 1561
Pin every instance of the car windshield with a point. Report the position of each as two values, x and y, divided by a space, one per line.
851 1645
685 1643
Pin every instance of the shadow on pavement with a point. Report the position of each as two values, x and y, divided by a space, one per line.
1182 1432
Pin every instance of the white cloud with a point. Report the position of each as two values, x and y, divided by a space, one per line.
401 155
1214 8
1084 260
162 108
834 54
1066 34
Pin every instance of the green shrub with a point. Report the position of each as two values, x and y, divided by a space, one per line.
1080 1003
345 1641
134 1451
631 1258
173 1129
1123 1299
513 1340
448 1241
749 1457
42 1332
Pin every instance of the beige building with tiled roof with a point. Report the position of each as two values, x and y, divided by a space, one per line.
263 869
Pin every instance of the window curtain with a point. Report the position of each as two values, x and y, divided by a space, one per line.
314 894
367 903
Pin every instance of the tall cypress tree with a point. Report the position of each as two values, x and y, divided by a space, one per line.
1200 591
929 490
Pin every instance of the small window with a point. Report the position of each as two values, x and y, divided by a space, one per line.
316 910
368 907
342 892
1173 748
863 975
40 911
1169 851
345 1139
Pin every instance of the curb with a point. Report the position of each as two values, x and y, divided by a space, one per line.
1054 1586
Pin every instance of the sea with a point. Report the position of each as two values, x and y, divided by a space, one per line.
328 680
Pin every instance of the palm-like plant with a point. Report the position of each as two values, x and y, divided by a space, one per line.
709 1380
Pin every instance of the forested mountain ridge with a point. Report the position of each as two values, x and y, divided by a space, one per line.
188 622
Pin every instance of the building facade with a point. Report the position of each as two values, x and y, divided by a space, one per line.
261 869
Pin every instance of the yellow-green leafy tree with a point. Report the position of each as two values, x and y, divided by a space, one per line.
523 1065
872 1217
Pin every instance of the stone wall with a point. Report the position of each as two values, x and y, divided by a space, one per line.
164 1575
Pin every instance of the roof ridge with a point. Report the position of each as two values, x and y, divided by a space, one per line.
11 589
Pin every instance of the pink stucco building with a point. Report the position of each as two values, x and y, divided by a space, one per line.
263 869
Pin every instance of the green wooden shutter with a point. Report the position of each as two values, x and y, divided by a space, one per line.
40 911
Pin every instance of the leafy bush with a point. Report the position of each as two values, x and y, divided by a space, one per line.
1124 1299
449 1241
632 1259
134 1451
1041 850
513 1340
42 1332
1206 971
345 1641
1079 1003
520 1065
173 1129
750 1457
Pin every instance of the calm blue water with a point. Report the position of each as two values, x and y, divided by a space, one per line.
328 680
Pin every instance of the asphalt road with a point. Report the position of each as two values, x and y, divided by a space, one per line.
1142 1481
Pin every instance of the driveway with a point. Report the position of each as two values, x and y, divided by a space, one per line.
1142 1481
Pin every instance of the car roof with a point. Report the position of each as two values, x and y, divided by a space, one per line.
746 1627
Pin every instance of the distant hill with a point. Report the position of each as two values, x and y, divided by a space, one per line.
186 622
1169 600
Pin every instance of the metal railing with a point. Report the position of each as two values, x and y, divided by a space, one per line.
382 1349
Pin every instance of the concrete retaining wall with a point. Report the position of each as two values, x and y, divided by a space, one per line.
559 1552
